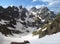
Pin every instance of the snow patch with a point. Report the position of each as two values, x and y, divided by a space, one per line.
44 29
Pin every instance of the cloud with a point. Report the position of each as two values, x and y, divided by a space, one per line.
29 7
38 6
55 3
51 4
48 1
34 0
55 6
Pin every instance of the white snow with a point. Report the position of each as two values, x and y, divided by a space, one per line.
43 20
19 26
44 29
3 22
48 39
38 29
34 13
10 28
49 23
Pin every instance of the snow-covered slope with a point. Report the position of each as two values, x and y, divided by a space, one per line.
48 39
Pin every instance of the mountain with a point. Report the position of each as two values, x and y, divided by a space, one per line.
42 12
18 20
50 28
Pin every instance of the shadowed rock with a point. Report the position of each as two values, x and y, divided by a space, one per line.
25 42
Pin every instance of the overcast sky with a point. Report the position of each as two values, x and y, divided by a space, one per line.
53 5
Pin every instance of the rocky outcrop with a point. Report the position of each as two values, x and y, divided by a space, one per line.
25 42
51 28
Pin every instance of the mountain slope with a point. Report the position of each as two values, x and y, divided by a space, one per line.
14 20
48 29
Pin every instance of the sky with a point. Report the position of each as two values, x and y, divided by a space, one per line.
53 5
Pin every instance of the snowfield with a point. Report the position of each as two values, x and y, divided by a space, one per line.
48 39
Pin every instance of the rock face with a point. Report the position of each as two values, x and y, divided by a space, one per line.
50 28
25 42
20 20
43 12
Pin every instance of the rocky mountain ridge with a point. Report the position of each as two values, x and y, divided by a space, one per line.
20 20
